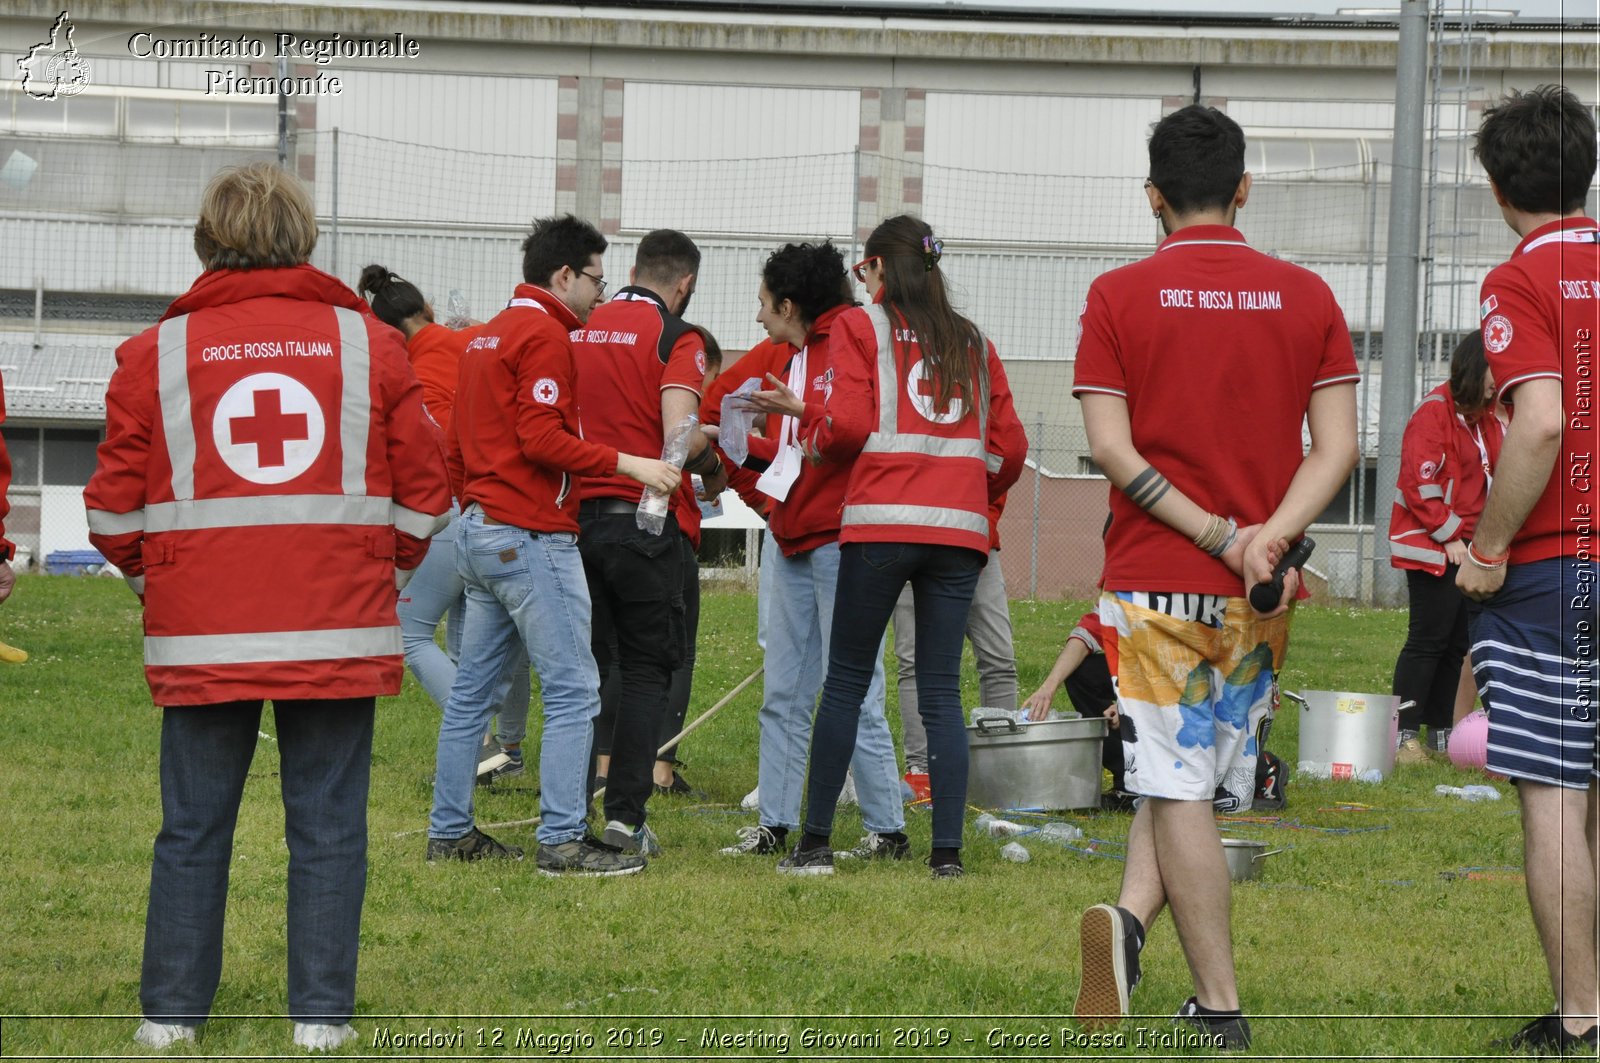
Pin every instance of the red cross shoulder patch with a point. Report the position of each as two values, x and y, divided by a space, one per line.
1497 333
546 391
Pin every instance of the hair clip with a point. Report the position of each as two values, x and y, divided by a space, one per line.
932 251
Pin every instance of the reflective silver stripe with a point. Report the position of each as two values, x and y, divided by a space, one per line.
993 462
920 516
268 646
197 514
1449 492
135 583
1448 530
355 402
416 523
888 377
937 446
1430 491
172 378
1417 553
104 522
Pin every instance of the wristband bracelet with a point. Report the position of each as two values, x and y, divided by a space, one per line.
1487 563
1233 533
1215 531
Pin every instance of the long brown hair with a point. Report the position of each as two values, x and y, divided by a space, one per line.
914 291
1467 366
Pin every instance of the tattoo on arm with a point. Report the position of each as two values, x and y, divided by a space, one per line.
1146 489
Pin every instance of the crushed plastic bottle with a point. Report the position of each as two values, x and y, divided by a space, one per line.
1060 832
1004 828
1015 853
1476 792
652 516
1308 769
456 313
1370 775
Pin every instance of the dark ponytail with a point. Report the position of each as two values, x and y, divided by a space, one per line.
953 349
393 298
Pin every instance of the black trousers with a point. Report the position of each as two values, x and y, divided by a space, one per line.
1089 687
636 587
1429 667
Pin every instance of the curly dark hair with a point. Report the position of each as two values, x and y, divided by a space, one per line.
808 275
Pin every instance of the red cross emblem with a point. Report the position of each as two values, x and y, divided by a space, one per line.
924 396
546 391
269 428
1497 333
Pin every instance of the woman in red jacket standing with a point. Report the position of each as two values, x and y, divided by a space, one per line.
1446 462
920 408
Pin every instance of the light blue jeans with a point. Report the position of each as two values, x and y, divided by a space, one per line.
437 592
525 592
797 608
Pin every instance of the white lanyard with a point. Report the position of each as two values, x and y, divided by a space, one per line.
785 468
1483 451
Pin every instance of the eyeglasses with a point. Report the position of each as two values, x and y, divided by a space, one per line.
599 282
860 268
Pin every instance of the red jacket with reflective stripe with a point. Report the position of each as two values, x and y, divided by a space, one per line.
1442 485
267 466
917 474
516 440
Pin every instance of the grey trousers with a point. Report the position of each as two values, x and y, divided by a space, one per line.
989 631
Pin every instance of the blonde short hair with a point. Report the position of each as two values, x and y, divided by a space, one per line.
255 217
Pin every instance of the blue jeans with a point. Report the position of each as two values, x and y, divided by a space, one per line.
797 596
525 593
437 592
325 757
942 580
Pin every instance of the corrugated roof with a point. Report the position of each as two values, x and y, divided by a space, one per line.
62 379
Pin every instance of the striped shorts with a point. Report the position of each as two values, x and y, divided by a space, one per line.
1533 655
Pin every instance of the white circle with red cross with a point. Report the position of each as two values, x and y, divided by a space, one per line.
546 391
924 394
1497 333
268 428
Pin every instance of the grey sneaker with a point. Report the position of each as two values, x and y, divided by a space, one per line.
876 847
754 841
500 766
1229 1033
586 858
473 845
642 841
818 861
1108 966
320 1037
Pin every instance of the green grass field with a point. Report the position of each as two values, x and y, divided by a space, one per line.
1407 936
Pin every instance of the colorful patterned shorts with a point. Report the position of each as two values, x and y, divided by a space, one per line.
1195 675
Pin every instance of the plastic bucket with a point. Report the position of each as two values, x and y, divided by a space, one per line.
1346 734
920 787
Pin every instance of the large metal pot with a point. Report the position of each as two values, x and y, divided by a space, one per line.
1049 764
1244 856
1343 735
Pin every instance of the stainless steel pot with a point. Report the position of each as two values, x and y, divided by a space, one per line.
1244 856
1049 764
1344 734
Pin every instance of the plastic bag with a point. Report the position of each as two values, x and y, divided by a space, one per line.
737 417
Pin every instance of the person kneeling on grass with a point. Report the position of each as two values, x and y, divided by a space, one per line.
1082 667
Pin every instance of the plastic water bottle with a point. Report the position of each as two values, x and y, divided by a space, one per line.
1004 828
1476 792
1015 853
652 516
1060 832
1370 775
456 313
982 822
1311 770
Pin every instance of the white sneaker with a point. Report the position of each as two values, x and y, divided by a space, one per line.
162 1034
847 796
319 1036
752 800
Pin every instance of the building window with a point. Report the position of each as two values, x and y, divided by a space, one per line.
69 455
23 446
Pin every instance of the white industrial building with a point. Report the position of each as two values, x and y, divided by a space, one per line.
1016 128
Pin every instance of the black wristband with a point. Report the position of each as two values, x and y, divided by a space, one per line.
698 463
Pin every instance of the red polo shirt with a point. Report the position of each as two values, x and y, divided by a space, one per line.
1541 318
1216 347
629 352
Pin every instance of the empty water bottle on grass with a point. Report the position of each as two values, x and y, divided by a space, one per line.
653 506
1060 832
1015 853
1475 792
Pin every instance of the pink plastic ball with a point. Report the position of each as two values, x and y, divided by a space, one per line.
1469 741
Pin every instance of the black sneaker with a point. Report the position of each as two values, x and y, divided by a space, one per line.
1108 948
1546 1035
1229 1033
754 841
586 858
473 845
876 847
953 870
818 861
679 788
500 766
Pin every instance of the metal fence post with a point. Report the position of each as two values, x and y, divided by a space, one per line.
1037 446
334 225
